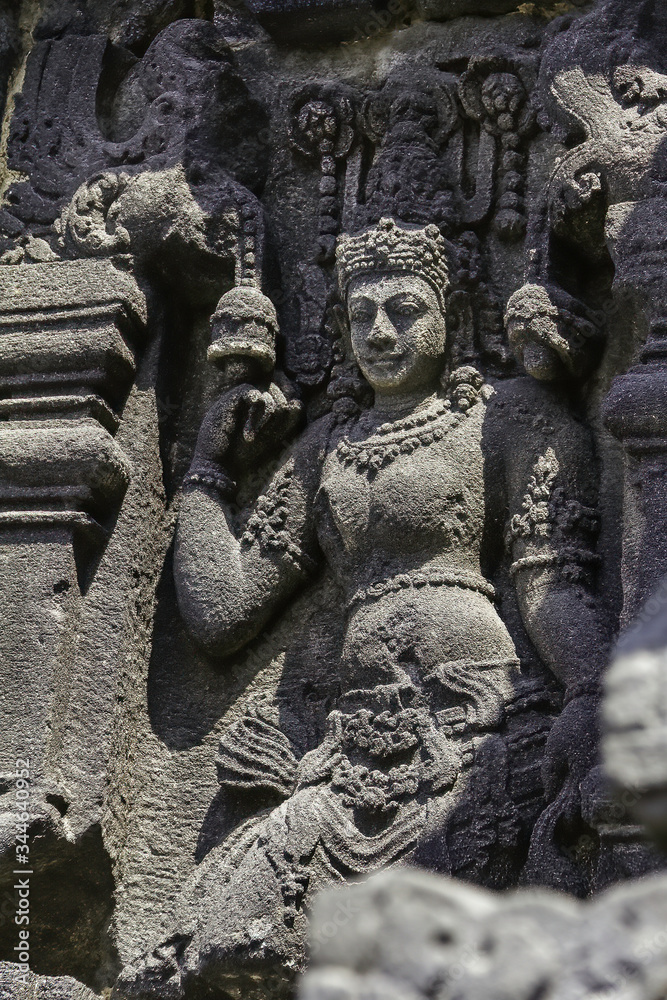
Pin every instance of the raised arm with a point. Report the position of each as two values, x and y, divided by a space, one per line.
233 572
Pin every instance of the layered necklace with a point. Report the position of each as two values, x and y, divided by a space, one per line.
464 387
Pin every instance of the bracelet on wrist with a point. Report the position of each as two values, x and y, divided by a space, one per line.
212 477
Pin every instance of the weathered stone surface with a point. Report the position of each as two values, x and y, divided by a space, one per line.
410 935
332 466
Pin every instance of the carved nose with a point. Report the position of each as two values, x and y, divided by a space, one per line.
383 333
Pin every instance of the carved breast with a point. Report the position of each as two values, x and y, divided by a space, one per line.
398 500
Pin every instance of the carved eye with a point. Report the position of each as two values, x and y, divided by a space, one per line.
408 307
361 314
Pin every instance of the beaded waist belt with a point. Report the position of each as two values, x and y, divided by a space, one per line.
423 578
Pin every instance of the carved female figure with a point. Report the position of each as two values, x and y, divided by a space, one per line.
413 504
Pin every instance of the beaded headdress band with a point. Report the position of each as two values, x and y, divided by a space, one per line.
391 248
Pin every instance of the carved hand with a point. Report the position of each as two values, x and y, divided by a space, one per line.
244 423
318 764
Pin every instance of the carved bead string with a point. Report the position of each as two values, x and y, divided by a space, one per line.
248 244
493 92
421 579
504 99
418 432
328 210
321 129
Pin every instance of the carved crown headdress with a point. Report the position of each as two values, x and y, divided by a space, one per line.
391 248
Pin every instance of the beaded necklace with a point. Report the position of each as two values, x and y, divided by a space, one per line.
401 437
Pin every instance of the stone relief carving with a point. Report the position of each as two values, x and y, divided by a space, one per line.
313 364
428 670
406 934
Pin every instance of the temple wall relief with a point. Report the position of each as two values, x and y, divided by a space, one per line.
332 463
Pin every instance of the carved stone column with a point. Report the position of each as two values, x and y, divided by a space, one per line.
69 331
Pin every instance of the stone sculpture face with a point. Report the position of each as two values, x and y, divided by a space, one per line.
397 331
531 320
